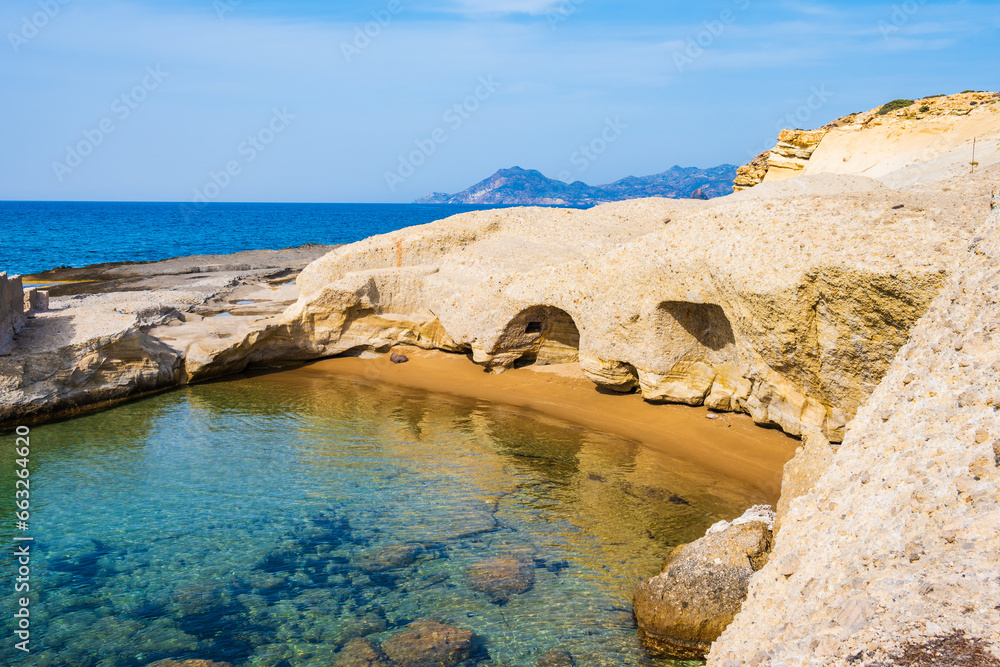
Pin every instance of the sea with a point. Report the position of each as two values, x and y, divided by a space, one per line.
37 236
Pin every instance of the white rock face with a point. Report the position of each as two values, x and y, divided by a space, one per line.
12 316
776 302
899 540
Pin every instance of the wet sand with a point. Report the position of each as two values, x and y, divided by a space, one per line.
731 444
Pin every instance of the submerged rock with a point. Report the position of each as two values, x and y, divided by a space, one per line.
397 358
463 524
427 643
188 663
556 658
390 557
681 611
500 578
361 653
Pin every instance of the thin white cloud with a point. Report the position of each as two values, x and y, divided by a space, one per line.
502 7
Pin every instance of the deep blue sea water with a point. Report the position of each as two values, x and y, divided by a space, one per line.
36 236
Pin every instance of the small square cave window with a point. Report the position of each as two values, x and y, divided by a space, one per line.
533 327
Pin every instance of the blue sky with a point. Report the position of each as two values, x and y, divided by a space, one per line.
256 100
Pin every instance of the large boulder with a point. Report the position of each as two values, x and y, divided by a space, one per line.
500 578
681 611
427 643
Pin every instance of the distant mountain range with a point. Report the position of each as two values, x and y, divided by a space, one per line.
527 187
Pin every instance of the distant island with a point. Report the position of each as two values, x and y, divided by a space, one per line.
528 187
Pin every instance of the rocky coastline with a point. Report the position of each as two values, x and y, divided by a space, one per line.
848 297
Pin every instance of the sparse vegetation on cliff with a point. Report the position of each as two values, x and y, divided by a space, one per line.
895 105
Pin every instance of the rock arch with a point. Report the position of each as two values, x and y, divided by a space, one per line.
538 335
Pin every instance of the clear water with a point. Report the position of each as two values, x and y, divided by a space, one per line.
248 521
37 236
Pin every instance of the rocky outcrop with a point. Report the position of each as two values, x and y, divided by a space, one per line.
901 143
801 473
677 309
501 578
895 547
12 311
136 329
681 611
427 643
752 173
788 159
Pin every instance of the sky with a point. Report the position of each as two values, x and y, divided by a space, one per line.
389 100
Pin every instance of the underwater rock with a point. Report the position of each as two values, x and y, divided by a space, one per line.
362 626
465 524
397 358
427 643
499 578
188 663
361 653
556 658
196 598
681 611
390 557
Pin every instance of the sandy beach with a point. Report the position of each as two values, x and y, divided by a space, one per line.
729 444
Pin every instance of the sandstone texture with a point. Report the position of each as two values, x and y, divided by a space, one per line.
801 473
12 310
935 134
681 611
662 296
896 546
110 332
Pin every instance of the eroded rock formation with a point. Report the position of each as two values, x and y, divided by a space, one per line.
681 611
935 133
12 317
896 545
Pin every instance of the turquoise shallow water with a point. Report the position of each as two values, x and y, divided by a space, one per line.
265 521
